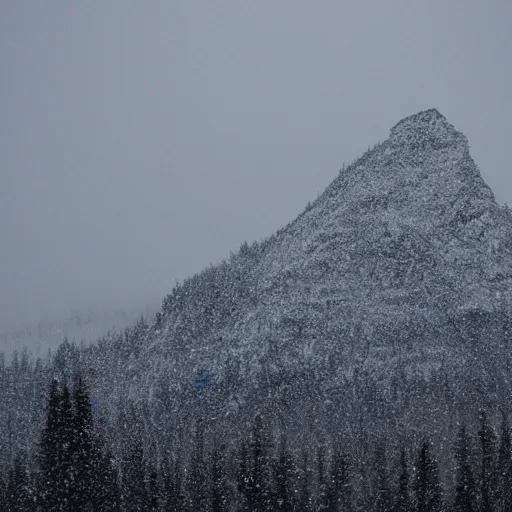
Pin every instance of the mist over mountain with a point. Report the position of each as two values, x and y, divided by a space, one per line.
381 312
81 326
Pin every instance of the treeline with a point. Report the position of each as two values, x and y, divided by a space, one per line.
75 469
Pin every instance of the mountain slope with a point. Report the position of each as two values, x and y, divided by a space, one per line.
385 303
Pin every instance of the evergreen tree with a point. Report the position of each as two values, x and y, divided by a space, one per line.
338 492
260 489
70 469
153 489
220 491
244 478
427 486
283 474
3 492
382 488
305 501
504 498
19 495
174 497
108 494
403 500
465 488
55 452
134 495
321 477
487 474
197 490
85 453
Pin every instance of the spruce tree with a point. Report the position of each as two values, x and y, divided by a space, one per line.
338 491
174 497
220 491
108 492
244 478
403 499
19 495
321 478
70 472
55 451
465 488
426 485
283 474
487 473
153 489
305 501
197 480
382 488
260 485
134 494
85 453
504 498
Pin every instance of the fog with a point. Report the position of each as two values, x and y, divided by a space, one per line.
142 141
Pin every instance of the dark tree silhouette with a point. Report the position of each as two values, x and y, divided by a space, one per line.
427 486
504 497
55 453
403 501
465 487
305 501
19 494
487 474
283 475
220 490
338 491
382 488
197 481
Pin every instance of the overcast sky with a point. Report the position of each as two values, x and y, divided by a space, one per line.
141 140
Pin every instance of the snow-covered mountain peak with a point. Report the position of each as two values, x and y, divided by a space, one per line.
424 131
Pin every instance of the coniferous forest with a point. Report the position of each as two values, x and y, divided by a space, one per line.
76 468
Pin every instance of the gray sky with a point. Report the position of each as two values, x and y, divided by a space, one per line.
142 140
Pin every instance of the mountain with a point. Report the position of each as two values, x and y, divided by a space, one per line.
381 311
383 307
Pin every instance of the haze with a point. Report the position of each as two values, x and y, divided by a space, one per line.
142 141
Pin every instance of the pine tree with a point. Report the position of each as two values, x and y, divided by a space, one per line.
487 474
49 457
55 452
305 501
321 477
174 497
133 484
403 500
283 474
18 491
504 498
465 488
197 475
70 469
427 486
153 489
108 494
84 453
338 491
220 491
260 489
244 478
382 489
